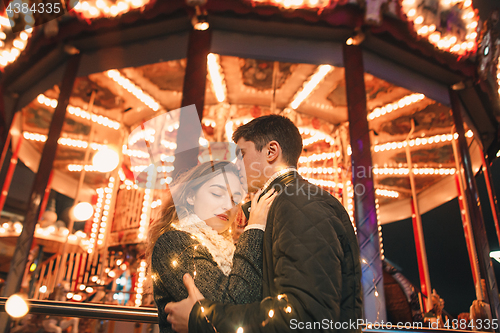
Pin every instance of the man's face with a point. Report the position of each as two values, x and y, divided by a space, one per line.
254 165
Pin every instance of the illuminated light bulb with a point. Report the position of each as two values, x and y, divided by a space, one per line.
239 330
288 309
202 309
271 313
174 263
411 12
16 306
419 20
82 211
105 160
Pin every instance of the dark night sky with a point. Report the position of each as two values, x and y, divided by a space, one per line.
449 266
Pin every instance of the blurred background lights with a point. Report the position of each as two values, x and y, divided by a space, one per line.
105 160
16 306
82 211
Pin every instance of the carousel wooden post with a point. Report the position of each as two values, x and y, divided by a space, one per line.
24 241
364 199
193 92
472 199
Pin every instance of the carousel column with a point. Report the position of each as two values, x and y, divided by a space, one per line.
24 241
472 198
362 182
491 194
193 92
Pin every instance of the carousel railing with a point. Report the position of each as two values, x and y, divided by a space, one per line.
90 310
150 315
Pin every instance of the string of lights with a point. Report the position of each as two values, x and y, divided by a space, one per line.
388 108
386 193
311 83
447 40
74 143
133 89
140 282
440 138
416 171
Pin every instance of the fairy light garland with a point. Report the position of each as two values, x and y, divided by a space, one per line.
133 89
442 138
287 308
388 108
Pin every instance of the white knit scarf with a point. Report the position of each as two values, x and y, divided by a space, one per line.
221 248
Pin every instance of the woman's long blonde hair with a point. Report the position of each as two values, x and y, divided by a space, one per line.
176 206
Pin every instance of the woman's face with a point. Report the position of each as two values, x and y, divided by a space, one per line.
212 202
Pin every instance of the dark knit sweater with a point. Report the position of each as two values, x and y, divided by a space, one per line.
243 285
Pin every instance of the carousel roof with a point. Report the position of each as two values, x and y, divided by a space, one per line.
135 62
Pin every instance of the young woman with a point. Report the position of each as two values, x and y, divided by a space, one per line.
192 236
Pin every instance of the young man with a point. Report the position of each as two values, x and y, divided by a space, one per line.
311 267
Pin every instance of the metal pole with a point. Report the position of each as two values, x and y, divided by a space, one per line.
466 222
418 231
472 195
7 140
491 193
10 173
24 241
365 211
79 186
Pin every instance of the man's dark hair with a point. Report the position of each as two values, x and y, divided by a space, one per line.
264 129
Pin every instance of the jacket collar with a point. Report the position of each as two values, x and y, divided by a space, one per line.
283 177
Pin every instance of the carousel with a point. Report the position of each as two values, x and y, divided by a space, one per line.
397 102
